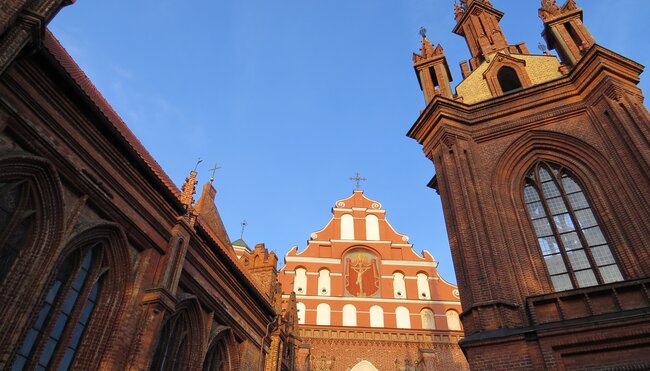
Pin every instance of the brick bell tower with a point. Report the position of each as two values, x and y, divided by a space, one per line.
543 168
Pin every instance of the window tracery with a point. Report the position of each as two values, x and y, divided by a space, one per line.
54 337
576 252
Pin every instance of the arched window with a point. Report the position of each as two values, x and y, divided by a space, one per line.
575 250
349 315
372 228
300 282
172 344
65 313
508 79
217 357
323 314
402 317
399 286
324 282
16 220
428 320
347 227
302 312
376 316
424 292
453 321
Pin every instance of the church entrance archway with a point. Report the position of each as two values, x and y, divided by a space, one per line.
364 366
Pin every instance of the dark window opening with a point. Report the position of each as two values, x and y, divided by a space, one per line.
508 79
574 36
434 78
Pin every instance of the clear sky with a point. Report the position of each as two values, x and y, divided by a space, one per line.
293 97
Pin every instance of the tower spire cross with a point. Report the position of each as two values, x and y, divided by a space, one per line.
358 179
214 170
244 223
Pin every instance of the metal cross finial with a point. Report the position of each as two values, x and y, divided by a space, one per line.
243 226
197 163
214 170
423 32
542 48
358 179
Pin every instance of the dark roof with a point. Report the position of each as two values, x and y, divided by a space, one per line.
241 243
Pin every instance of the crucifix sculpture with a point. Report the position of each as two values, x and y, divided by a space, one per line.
358 179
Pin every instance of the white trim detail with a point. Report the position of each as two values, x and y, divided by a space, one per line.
410 263
303 298
298 259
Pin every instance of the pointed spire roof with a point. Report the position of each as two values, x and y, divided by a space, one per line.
208 213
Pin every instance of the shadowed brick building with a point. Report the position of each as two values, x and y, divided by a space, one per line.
543 168
366 301
104 262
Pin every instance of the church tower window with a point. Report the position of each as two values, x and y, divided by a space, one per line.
324 282
508 79
302 312
349 315
347 227
453 321
323 314
428 319
376 316
402 317
399 286
300 282
372 228
575 250
423 286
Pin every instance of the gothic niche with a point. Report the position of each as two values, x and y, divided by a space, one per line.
361 274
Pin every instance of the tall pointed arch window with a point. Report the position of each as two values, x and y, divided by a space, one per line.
217 357
575 250
172 343
54 337
16 216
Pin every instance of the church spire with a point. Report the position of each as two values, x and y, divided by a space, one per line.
478 22
432 70
564 30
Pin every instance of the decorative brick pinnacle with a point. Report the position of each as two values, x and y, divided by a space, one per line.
188 190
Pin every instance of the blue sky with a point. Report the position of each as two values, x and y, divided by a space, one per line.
292 97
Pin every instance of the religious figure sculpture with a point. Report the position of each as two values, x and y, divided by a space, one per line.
361 274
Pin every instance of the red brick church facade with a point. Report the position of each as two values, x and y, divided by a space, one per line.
366 301
543 168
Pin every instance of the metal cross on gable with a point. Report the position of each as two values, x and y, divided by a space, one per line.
358 179
244 223
214 170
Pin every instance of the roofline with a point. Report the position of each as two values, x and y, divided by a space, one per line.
118 128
